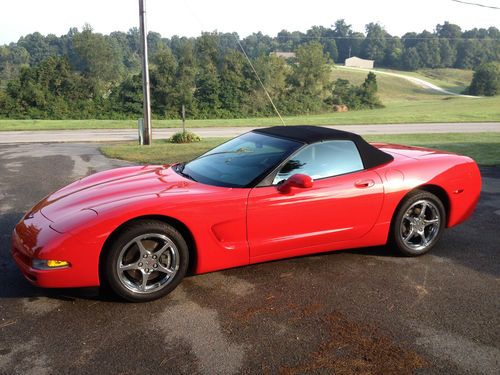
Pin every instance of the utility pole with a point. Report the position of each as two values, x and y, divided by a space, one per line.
145 73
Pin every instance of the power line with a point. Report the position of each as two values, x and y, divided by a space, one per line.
476 4
385 37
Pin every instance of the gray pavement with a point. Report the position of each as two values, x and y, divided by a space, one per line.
355 311
100 135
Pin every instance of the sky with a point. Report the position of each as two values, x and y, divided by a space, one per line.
190 17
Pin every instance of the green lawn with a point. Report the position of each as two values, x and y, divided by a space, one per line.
439 108
483 147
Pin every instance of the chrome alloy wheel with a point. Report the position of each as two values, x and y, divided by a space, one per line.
420 225
148 263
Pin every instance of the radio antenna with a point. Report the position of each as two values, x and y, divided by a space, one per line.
247 58
260 81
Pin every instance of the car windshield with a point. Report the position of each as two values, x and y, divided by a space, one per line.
240 161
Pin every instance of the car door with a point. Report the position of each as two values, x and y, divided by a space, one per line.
343 204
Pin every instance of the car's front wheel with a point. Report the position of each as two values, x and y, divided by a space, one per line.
418 224
146 261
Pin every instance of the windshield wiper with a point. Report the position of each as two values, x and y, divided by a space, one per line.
179 168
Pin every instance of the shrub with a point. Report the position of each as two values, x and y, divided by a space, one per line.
184 137
486 80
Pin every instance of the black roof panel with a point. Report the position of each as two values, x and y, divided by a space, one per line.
307 133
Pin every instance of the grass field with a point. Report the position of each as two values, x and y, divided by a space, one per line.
409 109
482 147
454 80
405 103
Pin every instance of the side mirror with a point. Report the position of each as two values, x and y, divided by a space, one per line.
301 181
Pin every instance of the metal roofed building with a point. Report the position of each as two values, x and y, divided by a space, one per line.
356 62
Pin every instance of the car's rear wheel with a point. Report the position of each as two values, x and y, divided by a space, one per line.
418 224
146 261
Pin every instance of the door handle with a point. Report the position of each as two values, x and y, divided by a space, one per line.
362 184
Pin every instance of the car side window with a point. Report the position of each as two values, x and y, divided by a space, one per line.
321 160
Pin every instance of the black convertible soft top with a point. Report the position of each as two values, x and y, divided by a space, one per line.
370 155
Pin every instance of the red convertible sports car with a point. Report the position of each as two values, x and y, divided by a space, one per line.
271 193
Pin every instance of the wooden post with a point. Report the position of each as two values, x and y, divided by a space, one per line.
183 119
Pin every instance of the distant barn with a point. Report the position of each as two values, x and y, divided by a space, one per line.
284 55
356 62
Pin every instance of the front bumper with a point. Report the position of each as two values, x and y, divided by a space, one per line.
33 238
56 278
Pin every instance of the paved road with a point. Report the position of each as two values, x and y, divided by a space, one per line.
361 311
417 81
9 137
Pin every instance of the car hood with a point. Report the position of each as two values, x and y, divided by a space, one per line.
113 186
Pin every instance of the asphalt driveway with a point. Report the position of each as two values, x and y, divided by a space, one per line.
347 312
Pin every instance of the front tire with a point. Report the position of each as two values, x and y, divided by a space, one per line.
418 223
146 261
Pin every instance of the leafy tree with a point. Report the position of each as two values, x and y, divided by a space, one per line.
486 80
289 41
356 97
36 46
98 59
207 90
448 53
342 31
258 44
129 51
274 73
410 60
428 50
155 43
207 49
49 90
368 92
163 79
410 40
452 32
233 85
128 97
375 43
330 48
99 74
393 52
356 44
185 77
345 93
470 54
311 74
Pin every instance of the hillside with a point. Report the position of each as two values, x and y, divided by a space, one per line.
395 89
454 80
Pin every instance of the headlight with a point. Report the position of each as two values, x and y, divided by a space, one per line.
46 264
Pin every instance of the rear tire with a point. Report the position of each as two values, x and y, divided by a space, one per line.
418 223
146 261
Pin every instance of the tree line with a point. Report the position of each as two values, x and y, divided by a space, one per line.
85 74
